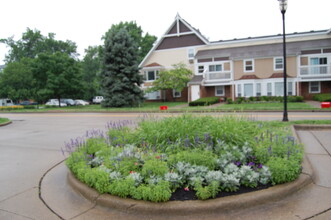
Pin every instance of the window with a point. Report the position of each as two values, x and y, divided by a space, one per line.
278 63
219 91
248 90
152 75
314 87
269 89
190 53
279 89
248 65
239 93
153 95
176 93
201 69
258 89
215 68
318 65
290 88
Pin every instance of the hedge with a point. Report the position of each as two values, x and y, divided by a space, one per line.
322 97
205 101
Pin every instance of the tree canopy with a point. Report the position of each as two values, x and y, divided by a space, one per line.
57 75
143 40
120 73
176 78
33 43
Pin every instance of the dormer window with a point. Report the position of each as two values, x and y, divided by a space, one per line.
151 75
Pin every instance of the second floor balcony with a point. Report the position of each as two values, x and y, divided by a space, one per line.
218 76
315 71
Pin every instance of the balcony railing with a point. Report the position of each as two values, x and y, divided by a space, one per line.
218 76
315 71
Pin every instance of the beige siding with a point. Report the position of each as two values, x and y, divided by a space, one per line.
304 61
264 68
167 58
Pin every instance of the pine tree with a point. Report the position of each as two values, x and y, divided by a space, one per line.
120 74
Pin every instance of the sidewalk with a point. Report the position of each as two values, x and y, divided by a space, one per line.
310 202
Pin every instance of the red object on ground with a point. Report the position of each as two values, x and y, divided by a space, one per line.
325 104
163 107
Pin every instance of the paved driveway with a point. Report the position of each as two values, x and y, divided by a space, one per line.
31 145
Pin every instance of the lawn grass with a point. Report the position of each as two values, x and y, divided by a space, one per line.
266 106
4 120
145 107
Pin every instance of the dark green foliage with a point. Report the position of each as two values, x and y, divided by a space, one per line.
57 76
120 75
205 101
33 43
144 41
240 100
91 69
322 97
229 101
17 81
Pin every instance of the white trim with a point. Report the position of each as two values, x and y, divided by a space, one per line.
223 94
174 93
179 34
319 88
253 65
276 69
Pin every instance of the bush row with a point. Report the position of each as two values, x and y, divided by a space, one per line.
322 97
240 100
205 101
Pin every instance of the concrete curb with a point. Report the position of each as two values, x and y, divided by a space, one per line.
4 124
196 207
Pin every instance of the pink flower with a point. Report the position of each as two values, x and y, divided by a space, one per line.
186 189
136 163
157 157
132 172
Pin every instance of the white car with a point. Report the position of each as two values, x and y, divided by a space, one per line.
97 99
55 102
81 102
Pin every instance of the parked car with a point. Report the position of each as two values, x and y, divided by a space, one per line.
69 102
55 102
97 99
81 102
27 102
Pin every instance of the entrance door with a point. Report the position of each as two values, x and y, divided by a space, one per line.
195 92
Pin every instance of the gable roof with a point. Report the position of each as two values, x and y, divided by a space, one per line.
179 34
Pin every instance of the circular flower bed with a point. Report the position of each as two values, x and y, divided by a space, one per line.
203 156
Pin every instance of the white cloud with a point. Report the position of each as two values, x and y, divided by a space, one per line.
85 21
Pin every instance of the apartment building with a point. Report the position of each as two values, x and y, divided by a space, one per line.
241 67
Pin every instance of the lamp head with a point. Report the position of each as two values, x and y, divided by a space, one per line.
282 5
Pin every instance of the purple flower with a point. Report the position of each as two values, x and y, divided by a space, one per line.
238 163
251 164
260 166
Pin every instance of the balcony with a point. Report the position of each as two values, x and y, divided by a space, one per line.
217 77
315 71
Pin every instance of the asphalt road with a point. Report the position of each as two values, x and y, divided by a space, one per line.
31 145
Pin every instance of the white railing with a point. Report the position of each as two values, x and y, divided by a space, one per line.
218 76
315 71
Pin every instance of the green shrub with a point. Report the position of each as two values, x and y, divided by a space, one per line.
283 170
205 101
154 167
156 193
98 179
295 98
122 187
322 97
229 101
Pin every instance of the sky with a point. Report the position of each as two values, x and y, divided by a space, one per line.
86 21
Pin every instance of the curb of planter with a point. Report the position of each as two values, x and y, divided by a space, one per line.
195 207
6 123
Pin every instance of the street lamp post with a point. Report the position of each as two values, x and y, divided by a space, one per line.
283 7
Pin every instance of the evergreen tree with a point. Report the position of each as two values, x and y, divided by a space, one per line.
120 74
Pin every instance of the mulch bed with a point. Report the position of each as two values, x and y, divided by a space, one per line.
182 195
